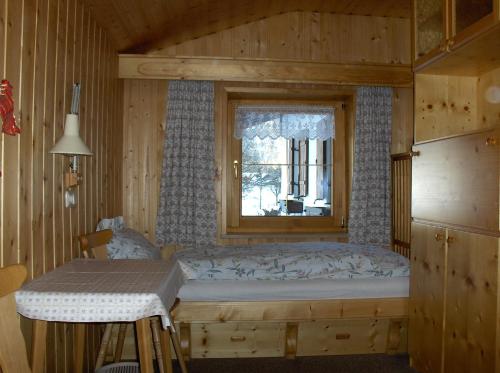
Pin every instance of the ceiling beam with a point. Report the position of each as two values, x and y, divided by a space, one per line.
262 70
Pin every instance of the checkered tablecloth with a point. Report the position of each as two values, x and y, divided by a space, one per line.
88 290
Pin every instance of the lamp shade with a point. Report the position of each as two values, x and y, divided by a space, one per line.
71 143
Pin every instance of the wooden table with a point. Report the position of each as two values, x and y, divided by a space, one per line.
89 291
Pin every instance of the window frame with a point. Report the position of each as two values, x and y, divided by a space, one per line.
235 223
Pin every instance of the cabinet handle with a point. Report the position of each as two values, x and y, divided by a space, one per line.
450 239
438 236
240 338
414 153
342 336
491 141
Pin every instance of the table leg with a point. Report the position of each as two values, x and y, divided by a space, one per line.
39 343
122 332
165 349
177 348
79 346
144 345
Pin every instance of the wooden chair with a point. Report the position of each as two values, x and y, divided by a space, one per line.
13 356
93 245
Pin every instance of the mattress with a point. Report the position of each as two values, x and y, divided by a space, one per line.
273 290
292 261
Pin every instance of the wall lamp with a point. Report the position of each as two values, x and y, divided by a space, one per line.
71 145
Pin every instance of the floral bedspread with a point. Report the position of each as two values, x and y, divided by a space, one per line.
290 261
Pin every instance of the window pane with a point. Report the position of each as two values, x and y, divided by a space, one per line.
282 177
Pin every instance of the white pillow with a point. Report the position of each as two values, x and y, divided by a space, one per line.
127 243
130 244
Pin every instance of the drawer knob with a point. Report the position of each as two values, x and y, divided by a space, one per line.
438 236
342 336
450 239
491 141
240 338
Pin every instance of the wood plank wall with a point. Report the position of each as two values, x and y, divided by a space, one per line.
143 122
307 36
46 45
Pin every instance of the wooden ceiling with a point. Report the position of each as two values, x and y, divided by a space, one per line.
140 25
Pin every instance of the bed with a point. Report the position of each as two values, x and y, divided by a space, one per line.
293 299
301 299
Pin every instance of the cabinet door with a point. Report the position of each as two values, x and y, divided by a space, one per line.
471 303
427 294
455 181
430 29
471 18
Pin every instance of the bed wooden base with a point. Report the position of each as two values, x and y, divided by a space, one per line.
289 328
292 328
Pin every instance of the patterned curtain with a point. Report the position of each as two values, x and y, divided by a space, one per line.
370 208
187 211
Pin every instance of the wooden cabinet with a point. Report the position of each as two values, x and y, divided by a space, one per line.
471 303
444 26
427 297
455 181
453 301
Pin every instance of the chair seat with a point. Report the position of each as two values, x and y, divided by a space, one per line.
119 368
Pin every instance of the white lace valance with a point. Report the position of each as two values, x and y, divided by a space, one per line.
289 122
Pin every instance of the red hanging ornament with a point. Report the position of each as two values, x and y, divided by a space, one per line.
7 109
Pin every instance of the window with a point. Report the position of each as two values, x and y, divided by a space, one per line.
286 166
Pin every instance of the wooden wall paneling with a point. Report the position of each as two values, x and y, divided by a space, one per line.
26 141
145 110
48 44
76 41
92 104
471 303
3 33
38 133
402 120
50 75
427 298
67 213
10 172
84 118
307 36
59 164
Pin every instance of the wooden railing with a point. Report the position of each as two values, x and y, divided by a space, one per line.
401 203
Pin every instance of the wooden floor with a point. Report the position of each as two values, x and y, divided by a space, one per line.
327 364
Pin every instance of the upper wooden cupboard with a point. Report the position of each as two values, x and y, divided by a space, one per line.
443 26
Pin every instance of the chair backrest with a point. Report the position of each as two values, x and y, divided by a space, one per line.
94 244
13 356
